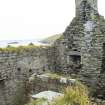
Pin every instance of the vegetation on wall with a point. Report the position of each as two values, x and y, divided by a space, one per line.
19 49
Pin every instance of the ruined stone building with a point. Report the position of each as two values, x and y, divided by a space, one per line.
79 52
81 49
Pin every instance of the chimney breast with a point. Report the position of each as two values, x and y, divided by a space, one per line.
93 4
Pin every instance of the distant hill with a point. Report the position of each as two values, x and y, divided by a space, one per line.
51 39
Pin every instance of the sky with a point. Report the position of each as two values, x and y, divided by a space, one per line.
36 19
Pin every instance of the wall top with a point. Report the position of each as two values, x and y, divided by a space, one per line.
93 4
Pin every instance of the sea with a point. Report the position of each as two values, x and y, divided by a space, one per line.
16 43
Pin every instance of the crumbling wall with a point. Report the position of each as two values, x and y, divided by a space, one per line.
50 81
68 49
81 51
15 67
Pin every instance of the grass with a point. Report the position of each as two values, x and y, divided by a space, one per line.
19 49
37 101
73 95
52 39
53 75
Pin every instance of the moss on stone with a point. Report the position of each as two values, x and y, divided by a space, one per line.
53 75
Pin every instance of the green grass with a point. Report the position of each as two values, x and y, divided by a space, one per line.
73 95
57 75
76 94
37 101
19 49
53 75
52 39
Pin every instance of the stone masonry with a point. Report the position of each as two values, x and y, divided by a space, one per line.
79 53
15 68
81 49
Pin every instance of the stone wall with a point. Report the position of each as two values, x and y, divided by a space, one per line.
81 49
79 53
49 81
14 68
69 48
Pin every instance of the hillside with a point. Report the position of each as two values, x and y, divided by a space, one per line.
51 39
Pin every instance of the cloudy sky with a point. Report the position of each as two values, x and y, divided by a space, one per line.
31 19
